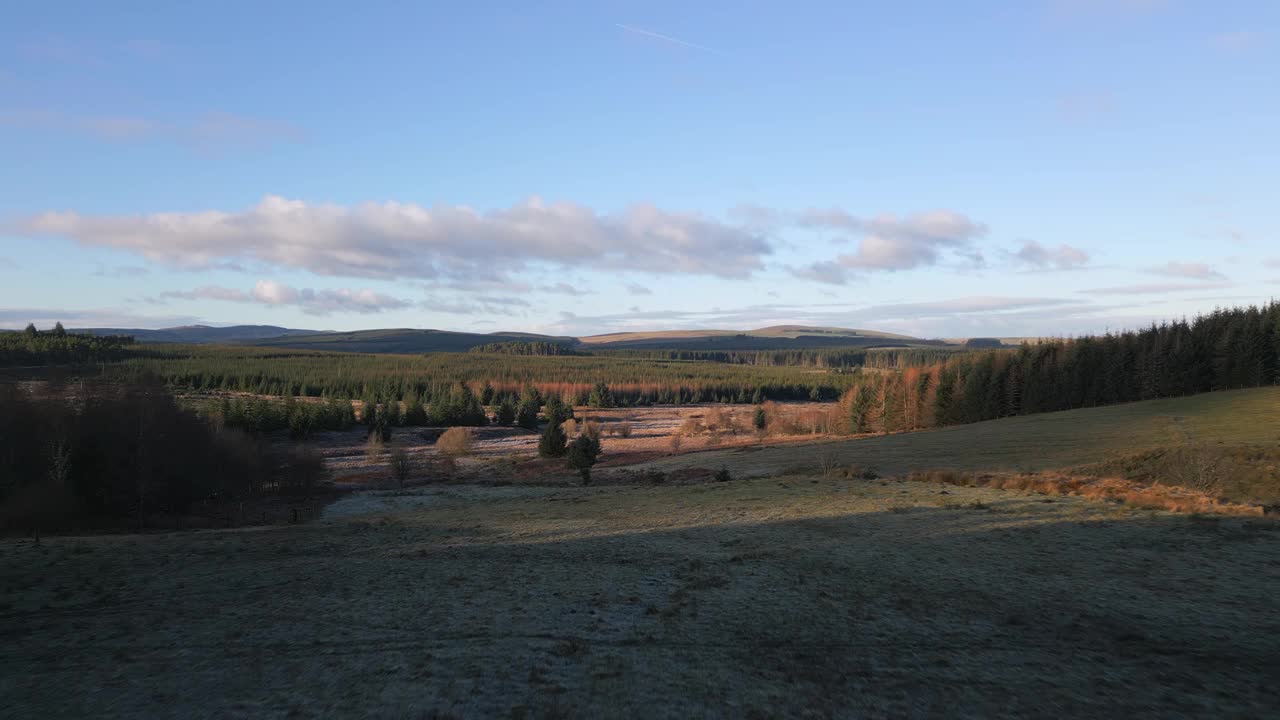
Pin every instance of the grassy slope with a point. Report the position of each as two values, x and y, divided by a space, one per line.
1034 442
779 597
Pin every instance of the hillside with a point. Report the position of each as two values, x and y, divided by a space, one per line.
778 337
199 334
399 340
410 340
1116 439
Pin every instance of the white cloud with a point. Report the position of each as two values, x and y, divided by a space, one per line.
1196 270
637 289
310 301
563 288
477 305
1155 288
1063 257
890 243
390 239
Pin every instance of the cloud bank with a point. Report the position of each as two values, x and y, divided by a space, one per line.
391 240
312 302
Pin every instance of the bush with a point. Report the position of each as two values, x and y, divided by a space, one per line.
455 442
553 440
591 429
401 465
623 429
582 456
570 427
723 474
506 413
674 443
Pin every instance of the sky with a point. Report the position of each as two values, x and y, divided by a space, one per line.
942 169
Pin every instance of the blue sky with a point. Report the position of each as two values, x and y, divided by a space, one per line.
946 169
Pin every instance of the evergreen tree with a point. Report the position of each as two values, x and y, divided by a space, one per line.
600 396
556 411
583 452
552 442
486 394
527 413
507 412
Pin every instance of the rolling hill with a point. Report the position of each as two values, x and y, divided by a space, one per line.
400 340
410 340
200 334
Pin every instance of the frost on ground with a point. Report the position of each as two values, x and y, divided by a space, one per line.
786 596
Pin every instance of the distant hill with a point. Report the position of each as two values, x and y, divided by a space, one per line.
409 340
402 340
778 337
198 334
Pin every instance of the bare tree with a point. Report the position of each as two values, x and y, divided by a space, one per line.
401 465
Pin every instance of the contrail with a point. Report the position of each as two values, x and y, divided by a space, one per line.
668 38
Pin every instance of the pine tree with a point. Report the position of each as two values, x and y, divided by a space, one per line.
582 453
552 442
600 396
506 412
527 413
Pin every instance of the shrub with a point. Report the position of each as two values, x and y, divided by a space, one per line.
623 429
692 426
455 442
760 421
401 466
723 474
506 413
582 455
570 427
674 443
552 442
591 429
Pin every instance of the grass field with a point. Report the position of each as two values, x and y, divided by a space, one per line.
781 597
1034 442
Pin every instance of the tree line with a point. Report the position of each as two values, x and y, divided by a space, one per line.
526 347
59 347
840 358
98 454
431 378
1226 349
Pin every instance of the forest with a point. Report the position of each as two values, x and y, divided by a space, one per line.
59 347
1227 349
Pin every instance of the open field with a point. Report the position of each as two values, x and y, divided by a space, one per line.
771 597
649 432
1034 442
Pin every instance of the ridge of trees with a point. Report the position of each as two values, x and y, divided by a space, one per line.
1226 349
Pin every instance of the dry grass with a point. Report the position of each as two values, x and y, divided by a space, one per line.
1161 497
1052 441
780 597
455 442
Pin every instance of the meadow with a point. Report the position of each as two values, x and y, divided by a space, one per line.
788 596
1230 429
398 377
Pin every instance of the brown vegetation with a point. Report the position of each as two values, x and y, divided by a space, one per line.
455 442
1162 497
